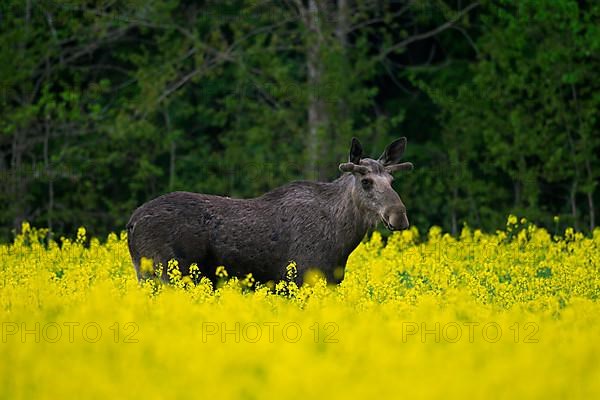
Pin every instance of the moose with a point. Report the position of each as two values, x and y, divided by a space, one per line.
314 224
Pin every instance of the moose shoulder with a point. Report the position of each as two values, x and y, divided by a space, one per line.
315 224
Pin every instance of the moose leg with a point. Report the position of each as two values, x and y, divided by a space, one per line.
330 270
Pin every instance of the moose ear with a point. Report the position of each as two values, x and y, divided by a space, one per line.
356 151
393 153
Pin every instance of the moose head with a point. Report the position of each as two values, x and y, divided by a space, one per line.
372 189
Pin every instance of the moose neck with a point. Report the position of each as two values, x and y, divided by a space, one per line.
352 223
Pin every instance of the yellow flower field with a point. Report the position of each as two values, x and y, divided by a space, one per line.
509 315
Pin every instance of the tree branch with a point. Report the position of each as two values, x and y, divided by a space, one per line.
428 34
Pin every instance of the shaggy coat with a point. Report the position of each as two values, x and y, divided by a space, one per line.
315 224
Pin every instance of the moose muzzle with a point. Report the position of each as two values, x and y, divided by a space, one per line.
395 218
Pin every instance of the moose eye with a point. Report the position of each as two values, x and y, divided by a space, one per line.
366 183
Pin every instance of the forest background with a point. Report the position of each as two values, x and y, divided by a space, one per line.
107 104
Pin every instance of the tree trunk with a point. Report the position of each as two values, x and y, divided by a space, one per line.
453 213
172 155
573 201
317 115
517 193
19 176
589 192
172 152
339 138
48 172
342 23
590 196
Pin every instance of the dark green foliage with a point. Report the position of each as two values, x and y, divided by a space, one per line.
105 105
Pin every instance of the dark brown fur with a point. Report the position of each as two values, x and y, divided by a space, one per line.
315 224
